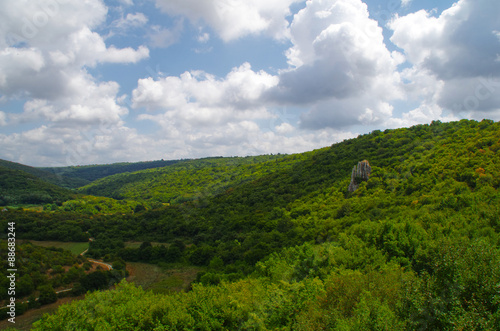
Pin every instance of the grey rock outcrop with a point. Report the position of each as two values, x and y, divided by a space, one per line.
360 173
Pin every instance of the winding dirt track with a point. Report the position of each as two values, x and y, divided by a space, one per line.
107 265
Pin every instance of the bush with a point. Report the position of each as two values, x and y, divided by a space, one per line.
47 295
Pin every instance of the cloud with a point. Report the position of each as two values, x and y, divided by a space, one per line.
339 75
127 2
472 97
459 43
457 51
48 66
339 66
346 113
63 146
242 88
44 64
284 128
3 118
46 48
234 19
203 37
406 3
131 21
45 23
201 115
94 103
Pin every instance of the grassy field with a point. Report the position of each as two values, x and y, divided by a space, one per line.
75 247
161 280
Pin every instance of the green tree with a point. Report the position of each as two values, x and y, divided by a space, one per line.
47 295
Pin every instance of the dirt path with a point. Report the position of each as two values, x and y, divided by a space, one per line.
107 265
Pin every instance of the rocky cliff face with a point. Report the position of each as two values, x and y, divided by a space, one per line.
360 173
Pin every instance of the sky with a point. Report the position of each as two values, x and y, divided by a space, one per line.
104 81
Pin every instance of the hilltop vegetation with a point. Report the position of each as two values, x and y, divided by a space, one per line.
288 247
186 180
20 187
46 176
90 173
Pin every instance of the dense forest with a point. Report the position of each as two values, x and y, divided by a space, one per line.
46 176
19 187
89 173
284 245
187 180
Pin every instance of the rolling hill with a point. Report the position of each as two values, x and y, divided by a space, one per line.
187 180
285 245
90 173
56 179
20 187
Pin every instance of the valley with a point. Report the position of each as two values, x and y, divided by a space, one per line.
273 241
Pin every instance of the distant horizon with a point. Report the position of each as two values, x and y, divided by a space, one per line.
228 156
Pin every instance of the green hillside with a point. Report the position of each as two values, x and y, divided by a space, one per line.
415 247
187 180
19 187
56 179
90 173
46 271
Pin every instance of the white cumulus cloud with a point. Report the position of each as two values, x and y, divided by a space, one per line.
3 118
457 52
339 66
236 18
242 88
46 48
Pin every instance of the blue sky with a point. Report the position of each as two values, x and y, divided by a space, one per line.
96 82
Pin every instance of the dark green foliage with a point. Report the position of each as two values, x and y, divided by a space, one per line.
95 281
47 295
91 173
19 187
184 181
47 176
36 266
46 226
460 292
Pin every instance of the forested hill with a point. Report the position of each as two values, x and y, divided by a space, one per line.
89 173
187 179
20 187
47 176
415 247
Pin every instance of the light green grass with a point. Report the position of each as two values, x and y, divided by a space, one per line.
161 280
